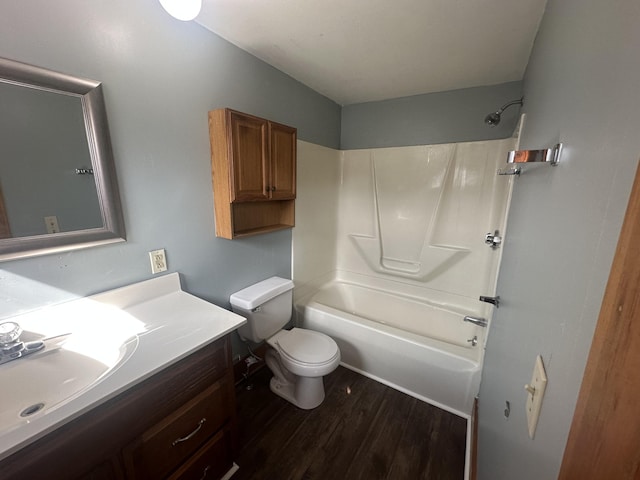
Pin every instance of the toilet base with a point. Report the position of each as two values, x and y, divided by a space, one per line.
305 392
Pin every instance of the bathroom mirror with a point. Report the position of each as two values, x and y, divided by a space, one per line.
58 188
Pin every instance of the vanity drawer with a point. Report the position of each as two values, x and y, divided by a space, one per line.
211 462
171 441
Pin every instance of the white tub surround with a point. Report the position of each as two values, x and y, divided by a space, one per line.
420 214
158 321
315 234
410 262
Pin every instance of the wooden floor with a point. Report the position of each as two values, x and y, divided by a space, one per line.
363 430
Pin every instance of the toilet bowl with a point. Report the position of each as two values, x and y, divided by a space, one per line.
298 358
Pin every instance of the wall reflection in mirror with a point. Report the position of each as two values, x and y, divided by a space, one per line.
58 189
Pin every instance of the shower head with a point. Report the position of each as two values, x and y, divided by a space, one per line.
494 118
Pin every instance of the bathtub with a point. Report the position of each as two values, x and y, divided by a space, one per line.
419 348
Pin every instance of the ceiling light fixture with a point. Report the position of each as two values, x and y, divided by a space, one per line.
182 9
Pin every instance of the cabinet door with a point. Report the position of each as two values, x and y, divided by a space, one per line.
249 165
109 470
282 142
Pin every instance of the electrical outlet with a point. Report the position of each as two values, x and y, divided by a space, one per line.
51 223
535 392
158 261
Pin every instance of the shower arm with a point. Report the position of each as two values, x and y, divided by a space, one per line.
507 105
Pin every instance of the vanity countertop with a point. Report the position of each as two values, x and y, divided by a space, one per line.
156 320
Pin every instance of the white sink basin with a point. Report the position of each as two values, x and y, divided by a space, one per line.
36 384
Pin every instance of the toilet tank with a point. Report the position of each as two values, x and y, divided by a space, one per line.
266 305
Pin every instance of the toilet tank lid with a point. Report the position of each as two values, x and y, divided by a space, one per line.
255 295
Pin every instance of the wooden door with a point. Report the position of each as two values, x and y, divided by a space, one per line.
249 161
604 441
282 148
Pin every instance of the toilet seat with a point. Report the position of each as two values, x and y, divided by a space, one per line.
307 347
306 353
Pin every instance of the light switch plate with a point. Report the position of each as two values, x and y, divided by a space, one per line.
535 392
158 261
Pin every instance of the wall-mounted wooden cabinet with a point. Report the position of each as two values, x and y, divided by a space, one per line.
253 162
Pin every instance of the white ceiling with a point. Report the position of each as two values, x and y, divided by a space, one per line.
357 51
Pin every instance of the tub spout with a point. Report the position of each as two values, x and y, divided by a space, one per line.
482 322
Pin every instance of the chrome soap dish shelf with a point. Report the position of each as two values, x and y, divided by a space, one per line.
522 157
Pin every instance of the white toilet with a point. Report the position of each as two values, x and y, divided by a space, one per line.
298 358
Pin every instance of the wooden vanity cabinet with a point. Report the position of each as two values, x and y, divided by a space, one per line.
253 162
178 424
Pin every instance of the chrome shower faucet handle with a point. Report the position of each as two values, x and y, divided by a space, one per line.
493 239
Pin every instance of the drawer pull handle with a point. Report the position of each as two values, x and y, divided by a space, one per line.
204 473
188 437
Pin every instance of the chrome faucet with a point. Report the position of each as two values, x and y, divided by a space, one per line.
482 322
11 347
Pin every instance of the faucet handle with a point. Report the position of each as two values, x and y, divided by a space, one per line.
9 333
493 239
493 300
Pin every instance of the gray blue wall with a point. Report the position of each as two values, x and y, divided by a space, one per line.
581 87
160 78
444 117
